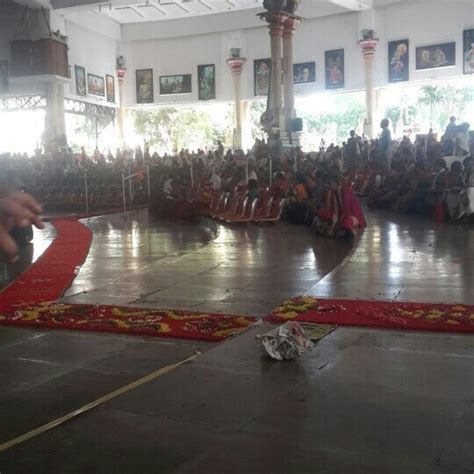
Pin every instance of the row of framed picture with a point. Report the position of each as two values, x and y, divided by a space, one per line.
176 84
94 85
427 57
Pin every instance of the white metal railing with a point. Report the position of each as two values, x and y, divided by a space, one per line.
126 179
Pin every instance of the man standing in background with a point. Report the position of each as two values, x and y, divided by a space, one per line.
385 141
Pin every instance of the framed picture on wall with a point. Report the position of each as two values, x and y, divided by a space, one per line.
80 73
3 76
398 61
144 82
334 65
96 85
207 82
436 56
468 51
179 84
110 87
262 71
304 73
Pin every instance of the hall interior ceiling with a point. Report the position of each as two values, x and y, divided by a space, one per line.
134 11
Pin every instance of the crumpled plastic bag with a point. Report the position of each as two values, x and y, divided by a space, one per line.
286 342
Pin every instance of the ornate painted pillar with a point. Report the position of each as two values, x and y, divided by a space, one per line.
282 22
121 70
288 87
276 22
368 44
236 64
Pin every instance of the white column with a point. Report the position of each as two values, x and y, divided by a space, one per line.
236 66
368 52
246 126
121 110
55 121
288 87
276 33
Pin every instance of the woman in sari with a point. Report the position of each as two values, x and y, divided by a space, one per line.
351 216
457 198
342 212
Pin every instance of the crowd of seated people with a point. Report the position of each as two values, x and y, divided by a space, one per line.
304 188
429 177
317 189
58 181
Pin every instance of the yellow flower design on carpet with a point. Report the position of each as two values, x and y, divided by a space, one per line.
145 322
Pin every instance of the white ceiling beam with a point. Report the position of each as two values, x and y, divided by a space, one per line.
154 5
202 2
354 5
180 5
133 9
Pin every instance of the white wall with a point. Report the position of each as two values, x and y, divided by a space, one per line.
93 50
95 41
423 22
175 56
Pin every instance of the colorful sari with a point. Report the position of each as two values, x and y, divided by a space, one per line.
342 213
351 214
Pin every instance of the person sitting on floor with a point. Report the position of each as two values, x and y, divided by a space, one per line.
280 186
415 179
351 216
341 213
468 165
299 189
456 198
384 196
253 192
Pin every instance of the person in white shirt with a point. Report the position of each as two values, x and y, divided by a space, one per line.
168 186
216 181
462 140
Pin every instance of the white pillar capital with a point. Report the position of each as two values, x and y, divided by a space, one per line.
236 65
368 46
290 25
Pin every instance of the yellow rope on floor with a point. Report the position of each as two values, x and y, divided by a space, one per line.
94 404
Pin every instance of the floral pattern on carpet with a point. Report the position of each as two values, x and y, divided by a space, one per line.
144 322
400 315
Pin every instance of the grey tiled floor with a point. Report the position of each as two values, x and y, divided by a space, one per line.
207 267
363 401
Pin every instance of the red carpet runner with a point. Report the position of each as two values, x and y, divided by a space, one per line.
50 276
144 322
416 316
30 300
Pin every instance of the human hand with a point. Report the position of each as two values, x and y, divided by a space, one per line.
16 210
